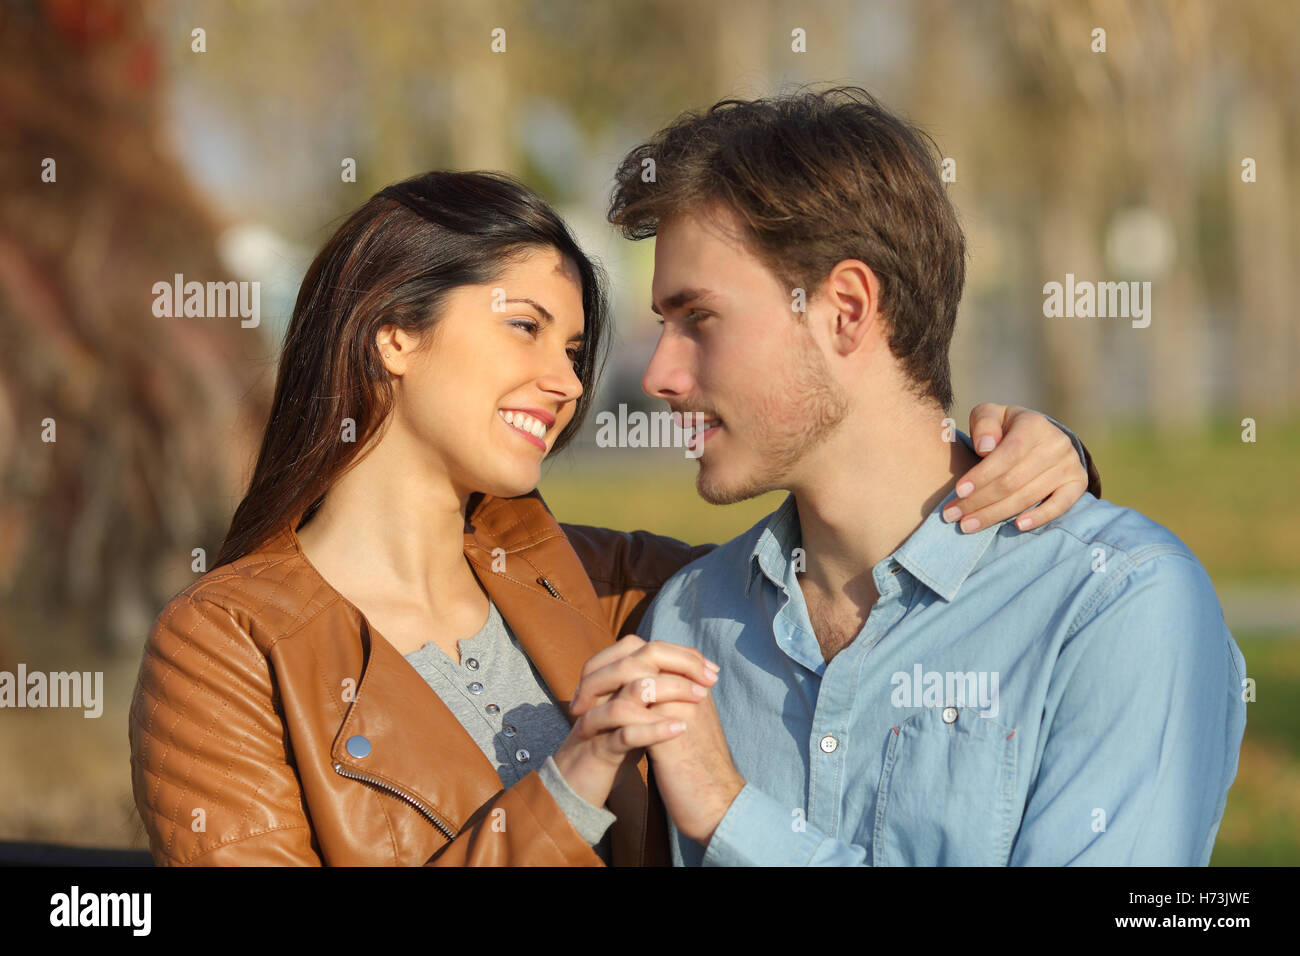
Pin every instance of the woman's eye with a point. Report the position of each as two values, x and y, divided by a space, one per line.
532 327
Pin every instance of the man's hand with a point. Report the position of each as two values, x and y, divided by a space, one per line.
1036 461
694 771
615 690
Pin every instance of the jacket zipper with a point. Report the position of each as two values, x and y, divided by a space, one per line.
547 584
446 830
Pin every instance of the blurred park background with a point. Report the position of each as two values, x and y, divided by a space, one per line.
1170 156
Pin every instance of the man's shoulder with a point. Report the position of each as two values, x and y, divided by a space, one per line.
1112 533
1143 607
1125 559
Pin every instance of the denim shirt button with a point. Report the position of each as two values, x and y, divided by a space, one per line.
950 715
828 744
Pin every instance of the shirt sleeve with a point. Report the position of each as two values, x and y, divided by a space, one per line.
1143 726
759 831
589 820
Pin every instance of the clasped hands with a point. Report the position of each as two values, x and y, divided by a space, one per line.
639 696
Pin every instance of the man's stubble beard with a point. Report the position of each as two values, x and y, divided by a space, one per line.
789 422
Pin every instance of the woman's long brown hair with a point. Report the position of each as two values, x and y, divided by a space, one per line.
393 262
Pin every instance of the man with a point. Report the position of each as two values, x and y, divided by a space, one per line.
894 688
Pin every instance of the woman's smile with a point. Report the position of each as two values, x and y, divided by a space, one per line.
530 428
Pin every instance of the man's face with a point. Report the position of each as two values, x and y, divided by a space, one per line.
733 349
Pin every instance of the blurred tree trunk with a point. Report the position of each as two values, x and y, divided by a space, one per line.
1165 120
1072 370
1264 328
746 34
481 108
155 418
1062 87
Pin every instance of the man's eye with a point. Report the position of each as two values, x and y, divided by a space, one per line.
576 357
694 316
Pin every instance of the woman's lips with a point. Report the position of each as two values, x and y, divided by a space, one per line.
529 436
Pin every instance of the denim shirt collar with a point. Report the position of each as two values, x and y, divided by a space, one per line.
938 554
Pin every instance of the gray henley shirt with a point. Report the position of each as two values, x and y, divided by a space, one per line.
502 703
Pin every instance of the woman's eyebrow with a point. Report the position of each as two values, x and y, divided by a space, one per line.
545 314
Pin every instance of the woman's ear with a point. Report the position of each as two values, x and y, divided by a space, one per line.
395 346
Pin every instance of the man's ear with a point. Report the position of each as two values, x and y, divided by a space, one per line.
852 294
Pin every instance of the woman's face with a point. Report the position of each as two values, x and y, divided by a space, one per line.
505 349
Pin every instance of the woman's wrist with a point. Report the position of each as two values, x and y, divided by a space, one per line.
584 775
592 821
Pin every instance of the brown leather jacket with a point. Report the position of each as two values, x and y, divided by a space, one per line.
260 682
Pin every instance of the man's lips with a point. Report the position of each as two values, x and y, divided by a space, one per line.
690 420
699 427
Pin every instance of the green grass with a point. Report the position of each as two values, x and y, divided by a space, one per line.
1230 501
1261 823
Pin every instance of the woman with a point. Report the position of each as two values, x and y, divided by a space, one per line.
384 653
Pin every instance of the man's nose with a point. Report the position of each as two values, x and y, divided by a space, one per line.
668 375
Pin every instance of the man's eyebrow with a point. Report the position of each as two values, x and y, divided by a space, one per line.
679 299
550 319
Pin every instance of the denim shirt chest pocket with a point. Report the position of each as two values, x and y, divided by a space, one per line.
947 791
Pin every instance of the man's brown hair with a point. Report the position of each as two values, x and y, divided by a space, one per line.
816 177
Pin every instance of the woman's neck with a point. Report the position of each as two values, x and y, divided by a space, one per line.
392 524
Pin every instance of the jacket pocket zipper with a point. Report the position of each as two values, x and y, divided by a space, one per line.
446 830
547 584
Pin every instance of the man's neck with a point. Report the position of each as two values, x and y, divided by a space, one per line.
866 491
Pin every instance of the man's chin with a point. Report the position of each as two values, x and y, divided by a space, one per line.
720 491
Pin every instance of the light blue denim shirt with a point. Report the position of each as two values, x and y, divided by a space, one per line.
1066 695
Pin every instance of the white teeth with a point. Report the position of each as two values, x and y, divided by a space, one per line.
524 423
